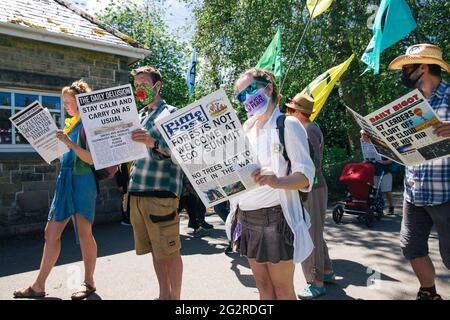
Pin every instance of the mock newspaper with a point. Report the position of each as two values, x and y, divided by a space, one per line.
109 117
37 126
404 130
207 140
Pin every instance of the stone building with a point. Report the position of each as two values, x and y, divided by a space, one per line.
44 46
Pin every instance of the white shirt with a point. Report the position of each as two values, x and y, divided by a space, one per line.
298 152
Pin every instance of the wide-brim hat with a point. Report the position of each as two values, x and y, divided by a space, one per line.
302 102
420 54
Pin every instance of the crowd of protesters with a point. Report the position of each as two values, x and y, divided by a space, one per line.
275 226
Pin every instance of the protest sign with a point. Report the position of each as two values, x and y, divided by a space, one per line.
208 142
37 126
403 130
109 117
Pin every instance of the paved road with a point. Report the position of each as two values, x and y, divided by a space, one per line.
210 274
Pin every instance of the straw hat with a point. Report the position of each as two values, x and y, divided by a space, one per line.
302 102
418 54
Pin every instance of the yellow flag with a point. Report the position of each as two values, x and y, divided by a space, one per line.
317 7
322 86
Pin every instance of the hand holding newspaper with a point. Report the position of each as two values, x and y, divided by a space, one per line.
403 130
38 127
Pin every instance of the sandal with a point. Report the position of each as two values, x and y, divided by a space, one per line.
311 292
28 293
83 293
329 277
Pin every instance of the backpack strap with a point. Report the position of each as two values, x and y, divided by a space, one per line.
280 127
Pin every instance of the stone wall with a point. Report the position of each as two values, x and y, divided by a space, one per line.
27 186
39 65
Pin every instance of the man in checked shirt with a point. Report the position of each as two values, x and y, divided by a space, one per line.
427 186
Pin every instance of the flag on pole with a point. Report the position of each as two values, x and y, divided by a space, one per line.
271 59
321 87
393 22
190 76
317 7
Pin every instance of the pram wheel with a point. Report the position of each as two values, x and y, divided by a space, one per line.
368 217
338 213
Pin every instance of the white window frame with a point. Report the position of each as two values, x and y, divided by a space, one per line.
8 148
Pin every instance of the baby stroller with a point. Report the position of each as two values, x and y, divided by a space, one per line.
363 198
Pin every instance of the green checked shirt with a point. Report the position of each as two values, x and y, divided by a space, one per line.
157 172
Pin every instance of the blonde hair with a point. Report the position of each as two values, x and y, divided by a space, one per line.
77 87
263 75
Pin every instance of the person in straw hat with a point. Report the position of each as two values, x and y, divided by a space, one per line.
317 268
427 186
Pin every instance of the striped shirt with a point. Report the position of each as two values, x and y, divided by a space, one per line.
428 184
157 172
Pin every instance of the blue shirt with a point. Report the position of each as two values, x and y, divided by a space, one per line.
428 184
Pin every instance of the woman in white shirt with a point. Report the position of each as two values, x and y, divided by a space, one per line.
273 232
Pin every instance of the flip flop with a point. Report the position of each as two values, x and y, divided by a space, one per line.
28 293
83 294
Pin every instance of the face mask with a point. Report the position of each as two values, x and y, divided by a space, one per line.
145 94
257 103
407 81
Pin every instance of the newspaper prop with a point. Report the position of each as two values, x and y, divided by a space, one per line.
207 140
369 151
109 117
37 126
403 130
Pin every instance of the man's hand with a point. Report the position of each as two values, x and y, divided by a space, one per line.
442 129
142 136
267 179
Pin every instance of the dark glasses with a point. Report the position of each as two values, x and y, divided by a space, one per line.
251 89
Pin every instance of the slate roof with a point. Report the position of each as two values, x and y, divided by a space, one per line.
62 18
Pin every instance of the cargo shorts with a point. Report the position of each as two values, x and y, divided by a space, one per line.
156 226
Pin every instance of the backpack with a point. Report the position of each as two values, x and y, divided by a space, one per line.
102 174
280 127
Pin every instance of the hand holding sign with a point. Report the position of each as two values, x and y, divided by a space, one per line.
143 136
442 129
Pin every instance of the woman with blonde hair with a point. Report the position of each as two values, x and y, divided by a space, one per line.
74 199
273 226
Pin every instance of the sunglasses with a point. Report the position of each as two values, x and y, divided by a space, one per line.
251 89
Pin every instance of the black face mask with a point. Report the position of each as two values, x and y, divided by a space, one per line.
407 81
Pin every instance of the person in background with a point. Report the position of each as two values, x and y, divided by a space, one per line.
122 179
195 209
74 199
317 268
382 171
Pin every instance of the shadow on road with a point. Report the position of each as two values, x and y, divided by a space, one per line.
350 273
23 254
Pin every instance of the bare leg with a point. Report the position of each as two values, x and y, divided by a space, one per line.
175 267
424 269
162 274
390 199
263 281
282 277
88 248
52 249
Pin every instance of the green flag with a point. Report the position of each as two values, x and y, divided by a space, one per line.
271 59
